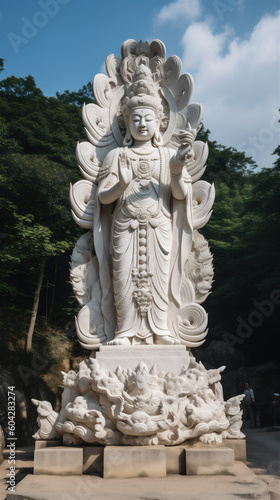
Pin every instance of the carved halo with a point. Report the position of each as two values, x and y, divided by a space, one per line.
102 121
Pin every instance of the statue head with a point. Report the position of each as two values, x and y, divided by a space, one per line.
77 409
142 102
142 123
79 402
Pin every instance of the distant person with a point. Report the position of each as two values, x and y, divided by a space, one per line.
248 411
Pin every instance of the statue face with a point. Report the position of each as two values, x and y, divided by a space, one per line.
142 124
79 403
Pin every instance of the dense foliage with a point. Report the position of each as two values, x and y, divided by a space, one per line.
37 164
38 136
244 237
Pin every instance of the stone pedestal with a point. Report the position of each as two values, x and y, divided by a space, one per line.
139 461
239 448
175 460
60 461
134 461
237 445
93 459
209 462
164 357
47 443
142 395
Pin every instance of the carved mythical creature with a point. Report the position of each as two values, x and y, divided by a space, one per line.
47 419
143 270
234 415
142 406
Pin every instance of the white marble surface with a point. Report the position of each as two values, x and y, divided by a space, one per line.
142 270
141 276
175 357
111 404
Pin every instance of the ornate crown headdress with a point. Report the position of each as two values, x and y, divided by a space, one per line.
141 89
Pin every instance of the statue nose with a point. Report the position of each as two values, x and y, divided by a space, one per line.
142 125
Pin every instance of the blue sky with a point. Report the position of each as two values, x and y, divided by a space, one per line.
231 47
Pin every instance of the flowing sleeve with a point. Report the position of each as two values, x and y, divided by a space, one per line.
102 240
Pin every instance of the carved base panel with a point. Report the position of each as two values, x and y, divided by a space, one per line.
140 396
162 357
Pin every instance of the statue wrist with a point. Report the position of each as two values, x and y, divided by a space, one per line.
176 167
176 175
122 187
182 163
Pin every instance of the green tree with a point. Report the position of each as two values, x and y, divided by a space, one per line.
243 233
41 125
84 95
38 137
35 220
37 162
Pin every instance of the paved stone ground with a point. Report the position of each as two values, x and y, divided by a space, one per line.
263 456
244 485
261 480
263 450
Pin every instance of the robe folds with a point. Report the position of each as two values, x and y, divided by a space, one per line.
142 242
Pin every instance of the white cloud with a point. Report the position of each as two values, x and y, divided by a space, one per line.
237 81
190 9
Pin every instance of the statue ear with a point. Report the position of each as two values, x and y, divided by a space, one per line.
157 139
127 141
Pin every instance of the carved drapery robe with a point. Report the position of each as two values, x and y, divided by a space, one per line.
148 245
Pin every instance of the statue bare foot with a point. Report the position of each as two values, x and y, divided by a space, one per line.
121 341
167 340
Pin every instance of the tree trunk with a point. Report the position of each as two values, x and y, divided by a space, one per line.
54 288
35 305
47 293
